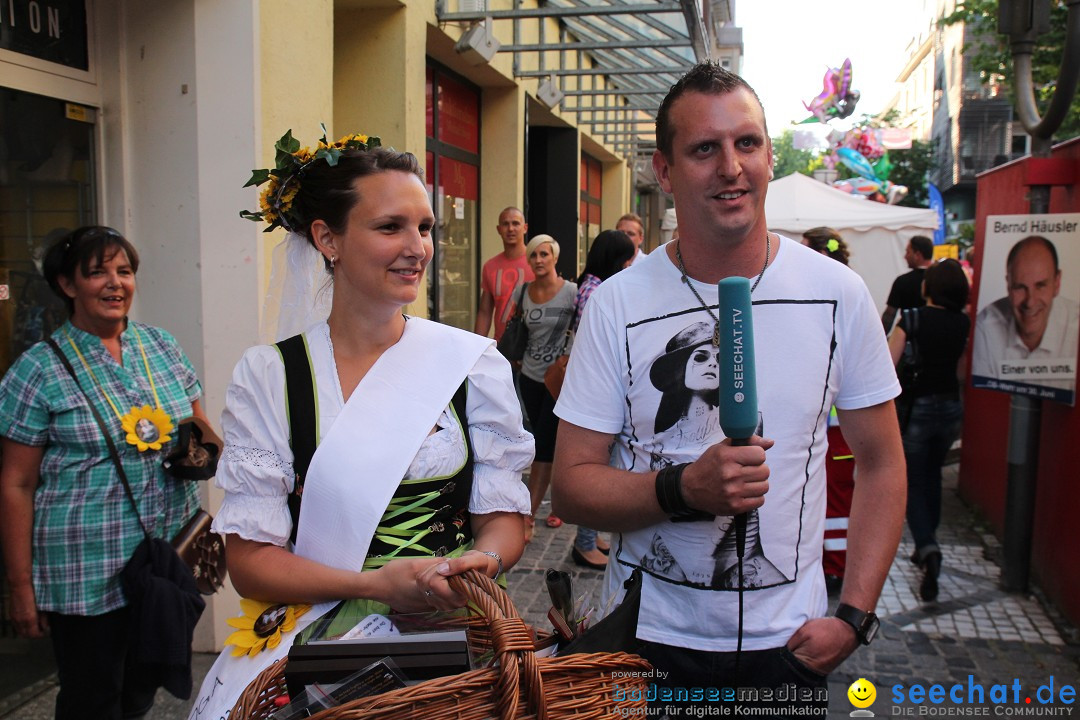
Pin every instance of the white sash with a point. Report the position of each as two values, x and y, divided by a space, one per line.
366 453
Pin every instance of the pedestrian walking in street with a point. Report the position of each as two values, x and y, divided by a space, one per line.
930 410
547 307
503 274
610 252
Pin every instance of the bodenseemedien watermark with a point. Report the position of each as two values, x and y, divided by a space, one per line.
786 700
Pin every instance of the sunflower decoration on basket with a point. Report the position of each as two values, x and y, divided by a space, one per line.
290 162
262 625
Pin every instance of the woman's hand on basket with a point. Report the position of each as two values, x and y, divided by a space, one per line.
435 579
414 585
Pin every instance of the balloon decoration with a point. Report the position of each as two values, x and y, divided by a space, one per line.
856 162
836 99
861 149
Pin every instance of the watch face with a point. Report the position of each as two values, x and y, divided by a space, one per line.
871 627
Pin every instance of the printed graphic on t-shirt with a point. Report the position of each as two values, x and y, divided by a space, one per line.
674 385
547 331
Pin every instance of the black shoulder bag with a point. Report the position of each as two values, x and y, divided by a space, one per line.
516 336
909 367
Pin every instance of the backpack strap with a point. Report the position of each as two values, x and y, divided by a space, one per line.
302 412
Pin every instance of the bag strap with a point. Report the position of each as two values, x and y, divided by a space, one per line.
566 331
519 307
104 431
302 414
911 328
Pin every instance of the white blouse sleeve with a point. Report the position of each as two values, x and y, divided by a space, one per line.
501 446
255 469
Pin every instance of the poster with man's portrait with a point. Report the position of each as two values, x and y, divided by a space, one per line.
1027 318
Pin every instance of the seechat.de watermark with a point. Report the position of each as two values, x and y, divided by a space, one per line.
976 698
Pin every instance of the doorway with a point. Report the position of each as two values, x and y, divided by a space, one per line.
47 188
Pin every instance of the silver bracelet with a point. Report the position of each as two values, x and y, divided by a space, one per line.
498 559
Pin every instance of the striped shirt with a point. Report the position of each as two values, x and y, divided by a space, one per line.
84 526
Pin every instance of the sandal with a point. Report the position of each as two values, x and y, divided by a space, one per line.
580 558
602 545
553 522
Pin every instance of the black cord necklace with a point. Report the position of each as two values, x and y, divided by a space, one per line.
686 281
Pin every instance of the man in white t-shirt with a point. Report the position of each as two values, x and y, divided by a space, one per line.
631 224
640 448
1030 335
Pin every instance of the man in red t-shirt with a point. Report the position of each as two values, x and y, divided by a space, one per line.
503 274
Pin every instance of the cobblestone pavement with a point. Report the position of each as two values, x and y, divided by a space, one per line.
973 629
974 635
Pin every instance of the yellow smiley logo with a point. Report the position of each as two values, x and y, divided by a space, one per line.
862 693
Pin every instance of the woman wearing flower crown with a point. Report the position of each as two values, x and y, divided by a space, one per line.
407 485
66 524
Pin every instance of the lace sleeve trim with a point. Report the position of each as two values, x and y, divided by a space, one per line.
510 439
256 457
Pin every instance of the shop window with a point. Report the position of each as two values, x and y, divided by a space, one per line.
453 176
591 193
47 188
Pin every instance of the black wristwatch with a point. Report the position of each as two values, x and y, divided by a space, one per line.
865 623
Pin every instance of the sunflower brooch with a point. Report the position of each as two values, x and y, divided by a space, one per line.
147 428
262 625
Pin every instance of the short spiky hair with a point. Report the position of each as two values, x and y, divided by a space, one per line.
706 77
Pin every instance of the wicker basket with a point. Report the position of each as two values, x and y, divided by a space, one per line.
520 685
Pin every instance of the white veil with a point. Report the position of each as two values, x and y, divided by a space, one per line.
300 291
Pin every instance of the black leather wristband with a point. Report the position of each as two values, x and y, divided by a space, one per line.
669 490
865 624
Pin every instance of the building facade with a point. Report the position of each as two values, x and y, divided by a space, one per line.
148 117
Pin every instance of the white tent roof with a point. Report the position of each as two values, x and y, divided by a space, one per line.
797 203
876 234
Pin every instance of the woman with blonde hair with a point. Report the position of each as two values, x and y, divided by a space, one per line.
548 309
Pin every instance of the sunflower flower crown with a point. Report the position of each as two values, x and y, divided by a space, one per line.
283 180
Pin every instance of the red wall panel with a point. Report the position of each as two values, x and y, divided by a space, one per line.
983 461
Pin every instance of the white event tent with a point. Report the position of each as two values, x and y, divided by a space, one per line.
876 234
